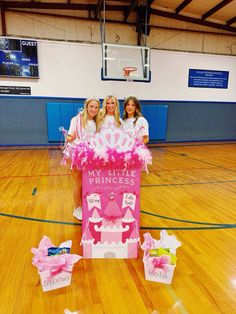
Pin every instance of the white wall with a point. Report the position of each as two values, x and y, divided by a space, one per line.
74 70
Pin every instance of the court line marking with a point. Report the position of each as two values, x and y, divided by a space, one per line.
42 220
182 169
150 145
189 183
142 186
11 149
142 227
200 160
37 176
190 228
175 144
34 191
187 221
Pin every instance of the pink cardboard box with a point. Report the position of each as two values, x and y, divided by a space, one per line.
111 209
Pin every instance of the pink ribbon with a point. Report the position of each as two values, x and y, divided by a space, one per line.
148 243
159 262
111 218
59 268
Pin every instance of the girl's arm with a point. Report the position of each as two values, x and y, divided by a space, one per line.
145 139
71 135
143 126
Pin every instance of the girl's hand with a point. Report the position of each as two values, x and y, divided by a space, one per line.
145 139
71 137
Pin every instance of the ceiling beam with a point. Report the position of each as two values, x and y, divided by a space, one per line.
97 11
127 11
124 8
45 5
3 19
193 20
150 2
182 6
216 8
108 21
231 21
57 6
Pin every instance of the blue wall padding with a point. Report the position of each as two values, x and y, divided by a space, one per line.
60 114
24 121
157 119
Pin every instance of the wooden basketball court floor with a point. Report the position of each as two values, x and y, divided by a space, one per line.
190 192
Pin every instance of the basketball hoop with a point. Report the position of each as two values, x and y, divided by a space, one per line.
127 71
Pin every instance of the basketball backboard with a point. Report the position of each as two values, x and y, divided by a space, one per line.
116 59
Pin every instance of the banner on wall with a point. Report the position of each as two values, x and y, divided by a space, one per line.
208 78
15 90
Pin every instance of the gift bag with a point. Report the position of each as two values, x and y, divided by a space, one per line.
163 275
160 257
54 264
60 279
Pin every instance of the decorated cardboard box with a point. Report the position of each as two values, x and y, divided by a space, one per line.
111 207
111 166
162 275
54 264
160 257
59 280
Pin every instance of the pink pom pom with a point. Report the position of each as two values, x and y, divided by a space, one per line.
86 157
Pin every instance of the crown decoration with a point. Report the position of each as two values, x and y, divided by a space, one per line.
111 148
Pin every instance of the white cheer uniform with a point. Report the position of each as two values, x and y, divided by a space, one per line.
137 130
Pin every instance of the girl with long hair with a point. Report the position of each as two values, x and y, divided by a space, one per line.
82 127
133 120
109 116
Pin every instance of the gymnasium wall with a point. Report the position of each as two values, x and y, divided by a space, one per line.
23 121
74 70
71 71
166 33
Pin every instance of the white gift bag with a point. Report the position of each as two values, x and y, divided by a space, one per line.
59 280
158 274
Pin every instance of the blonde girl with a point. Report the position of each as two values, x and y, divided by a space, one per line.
109 116
133 120
82 127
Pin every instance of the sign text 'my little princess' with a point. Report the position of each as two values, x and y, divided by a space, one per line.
122 177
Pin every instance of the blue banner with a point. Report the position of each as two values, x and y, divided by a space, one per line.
208 78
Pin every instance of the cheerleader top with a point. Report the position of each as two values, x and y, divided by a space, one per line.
82 133
109 122
140 128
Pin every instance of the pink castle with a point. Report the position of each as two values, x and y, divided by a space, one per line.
110 237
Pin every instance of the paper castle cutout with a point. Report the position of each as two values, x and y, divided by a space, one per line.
113 236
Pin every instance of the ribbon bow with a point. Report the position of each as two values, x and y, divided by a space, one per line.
57 269
112 218
159 262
